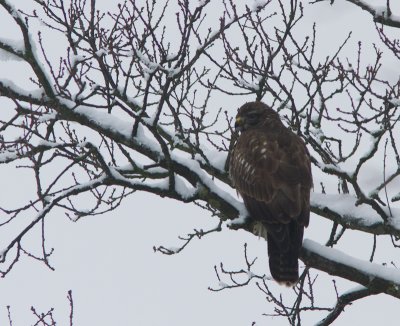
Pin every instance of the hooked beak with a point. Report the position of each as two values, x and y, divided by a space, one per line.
239 124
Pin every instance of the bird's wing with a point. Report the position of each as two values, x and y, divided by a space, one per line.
272 171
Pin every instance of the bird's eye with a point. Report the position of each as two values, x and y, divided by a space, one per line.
252 116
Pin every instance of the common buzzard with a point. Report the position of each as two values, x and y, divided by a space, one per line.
271 169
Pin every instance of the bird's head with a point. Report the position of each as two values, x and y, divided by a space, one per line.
254 115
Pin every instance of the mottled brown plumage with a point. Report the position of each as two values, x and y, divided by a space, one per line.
271 169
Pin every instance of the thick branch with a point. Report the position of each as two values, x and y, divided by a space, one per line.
380 14
377 278
360 217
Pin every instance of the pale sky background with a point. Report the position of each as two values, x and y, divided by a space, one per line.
108 261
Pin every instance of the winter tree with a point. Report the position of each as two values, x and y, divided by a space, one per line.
141 97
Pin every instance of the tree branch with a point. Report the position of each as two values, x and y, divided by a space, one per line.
377 278
342 301
380 14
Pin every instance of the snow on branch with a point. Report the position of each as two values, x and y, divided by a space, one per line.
380 14
10 89
30 54
377 278
345 210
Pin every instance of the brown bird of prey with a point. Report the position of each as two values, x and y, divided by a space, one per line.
271 169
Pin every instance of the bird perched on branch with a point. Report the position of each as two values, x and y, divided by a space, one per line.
271 169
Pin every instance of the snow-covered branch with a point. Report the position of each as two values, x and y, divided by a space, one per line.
375 277
344 210
380 14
